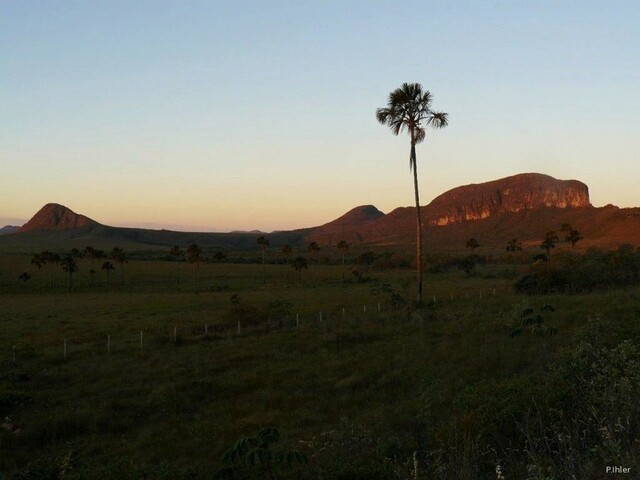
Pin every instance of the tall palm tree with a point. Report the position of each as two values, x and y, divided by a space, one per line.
313 248
263 243
409 108
343 246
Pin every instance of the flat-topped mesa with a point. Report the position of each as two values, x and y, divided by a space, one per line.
56 217
527 191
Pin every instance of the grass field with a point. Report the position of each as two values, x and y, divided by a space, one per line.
171 408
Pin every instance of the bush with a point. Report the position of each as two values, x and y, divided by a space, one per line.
567 421
572 273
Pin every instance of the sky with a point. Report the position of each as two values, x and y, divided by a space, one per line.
242 115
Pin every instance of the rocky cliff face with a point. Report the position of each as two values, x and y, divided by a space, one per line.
56 217
526 191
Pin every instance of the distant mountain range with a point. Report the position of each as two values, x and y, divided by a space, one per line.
523 206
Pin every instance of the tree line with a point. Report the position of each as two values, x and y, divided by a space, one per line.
48 262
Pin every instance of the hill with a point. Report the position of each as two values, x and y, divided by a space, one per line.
55 217
523 206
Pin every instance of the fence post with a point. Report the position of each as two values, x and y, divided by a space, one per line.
175 335
297 320
206 330
140 340
344 313
238 327
364 308
108 343
379 309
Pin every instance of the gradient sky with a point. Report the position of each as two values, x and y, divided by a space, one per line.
260 115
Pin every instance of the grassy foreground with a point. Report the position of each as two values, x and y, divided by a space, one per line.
340 387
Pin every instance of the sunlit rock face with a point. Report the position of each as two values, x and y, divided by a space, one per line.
526 191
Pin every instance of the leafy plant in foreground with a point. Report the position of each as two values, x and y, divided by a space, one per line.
257 457
534 321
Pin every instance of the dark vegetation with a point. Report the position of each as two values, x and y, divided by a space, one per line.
573 273
294 378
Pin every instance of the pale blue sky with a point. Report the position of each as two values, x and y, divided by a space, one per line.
241 115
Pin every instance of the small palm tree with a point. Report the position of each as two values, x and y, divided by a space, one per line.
176 254
313 248
299 263
194 255
49 260
472 244
549 242
77 254
70 266
343 246
263 243
24 277
513 246
572 237
118 255
409 108
108 267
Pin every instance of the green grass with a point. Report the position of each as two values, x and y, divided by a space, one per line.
183 404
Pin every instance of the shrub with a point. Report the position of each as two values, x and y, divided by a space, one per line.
572 273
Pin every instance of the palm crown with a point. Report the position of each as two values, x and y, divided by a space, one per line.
409 108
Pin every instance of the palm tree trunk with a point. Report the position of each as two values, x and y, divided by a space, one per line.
414 164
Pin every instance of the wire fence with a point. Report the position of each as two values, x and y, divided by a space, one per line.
145 339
